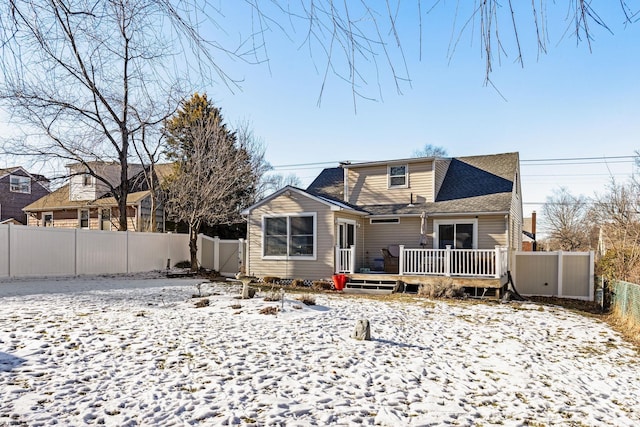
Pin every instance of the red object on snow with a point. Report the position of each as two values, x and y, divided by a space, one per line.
339 281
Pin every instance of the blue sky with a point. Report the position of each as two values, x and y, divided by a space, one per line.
569 103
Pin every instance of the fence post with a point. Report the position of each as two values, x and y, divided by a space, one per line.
216 253
75 251
9 249
560 258
128 251
447 261
241 266
592 289
401 260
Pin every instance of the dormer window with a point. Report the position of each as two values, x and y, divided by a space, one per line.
86 179
20 184
398 176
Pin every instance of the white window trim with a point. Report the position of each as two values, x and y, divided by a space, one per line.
438 222
406 176
18 191
349 222
101 219
43 215
313 257
88 219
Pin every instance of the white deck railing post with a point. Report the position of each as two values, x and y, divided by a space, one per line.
498 263
401 260
337 265
352 259
447 261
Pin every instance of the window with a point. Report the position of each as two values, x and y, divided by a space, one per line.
84 218
47 219
398 176
384 221
457 234
86 179
20 184
289 236
105 222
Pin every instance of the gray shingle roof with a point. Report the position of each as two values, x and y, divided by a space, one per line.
471 184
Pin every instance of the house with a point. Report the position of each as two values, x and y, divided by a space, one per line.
456 217
19 188
86 202
529 243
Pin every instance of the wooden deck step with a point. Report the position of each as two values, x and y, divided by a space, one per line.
370 286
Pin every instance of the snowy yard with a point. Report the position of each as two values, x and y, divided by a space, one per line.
136 351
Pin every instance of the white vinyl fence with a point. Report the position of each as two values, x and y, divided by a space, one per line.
39 251
558 274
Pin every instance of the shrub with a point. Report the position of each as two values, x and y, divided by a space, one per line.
321 285
202 303
183 264
269 310
274 295
441 289
270 279
307 300
297 283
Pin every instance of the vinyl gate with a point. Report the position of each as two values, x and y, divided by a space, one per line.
559 274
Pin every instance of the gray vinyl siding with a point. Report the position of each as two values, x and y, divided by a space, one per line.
320 268
12 202
370 185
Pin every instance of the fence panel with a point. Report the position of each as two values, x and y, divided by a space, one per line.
4 250
150 251
561 274
41 251
229 257
100 252
177 248
626 301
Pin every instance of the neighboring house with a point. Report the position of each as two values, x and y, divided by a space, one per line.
529 243
456 217
85 202
18 188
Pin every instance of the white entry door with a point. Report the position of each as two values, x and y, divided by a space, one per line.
346 234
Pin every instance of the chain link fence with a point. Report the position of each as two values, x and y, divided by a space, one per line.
625 301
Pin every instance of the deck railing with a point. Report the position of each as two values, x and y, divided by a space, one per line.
454 262
345 260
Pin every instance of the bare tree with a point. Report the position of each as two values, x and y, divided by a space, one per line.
274 182
565 221
87 79
214 177
618 213
430 151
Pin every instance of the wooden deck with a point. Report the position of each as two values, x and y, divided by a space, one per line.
384 283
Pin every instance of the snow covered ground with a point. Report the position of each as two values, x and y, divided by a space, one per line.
136 351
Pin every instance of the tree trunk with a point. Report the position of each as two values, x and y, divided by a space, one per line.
193 247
